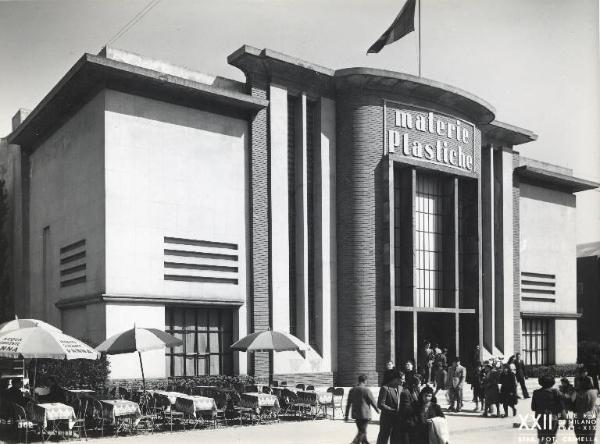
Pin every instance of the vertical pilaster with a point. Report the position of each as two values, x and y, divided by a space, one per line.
325 262
389 260
302 262
456 262
507 250
516 237
487 206
259 163
278 131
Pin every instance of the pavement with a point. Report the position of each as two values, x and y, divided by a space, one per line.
466 427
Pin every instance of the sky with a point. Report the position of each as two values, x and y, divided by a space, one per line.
536 61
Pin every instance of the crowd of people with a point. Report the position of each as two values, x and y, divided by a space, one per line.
410 411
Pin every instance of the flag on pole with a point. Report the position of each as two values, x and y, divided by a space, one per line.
403 24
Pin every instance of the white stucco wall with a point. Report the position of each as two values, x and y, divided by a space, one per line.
173 172
120 317
176 172
548 244
67 195
565 334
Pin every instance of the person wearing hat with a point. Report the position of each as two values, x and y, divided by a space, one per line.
456 378
425 409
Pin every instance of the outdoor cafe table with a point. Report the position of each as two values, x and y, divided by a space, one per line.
196 407
262 405
165 398
52 412
317 401
117 411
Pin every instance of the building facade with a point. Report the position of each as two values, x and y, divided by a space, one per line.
588 291
361 210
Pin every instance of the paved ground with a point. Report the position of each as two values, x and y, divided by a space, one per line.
465 427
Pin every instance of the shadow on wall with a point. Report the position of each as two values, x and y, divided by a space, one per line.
137 106
545 194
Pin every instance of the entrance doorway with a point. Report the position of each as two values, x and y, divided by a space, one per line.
437 328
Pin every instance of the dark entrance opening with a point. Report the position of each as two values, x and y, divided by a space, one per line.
437 328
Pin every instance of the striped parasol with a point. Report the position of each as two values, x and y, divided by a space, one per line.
138 340
270 341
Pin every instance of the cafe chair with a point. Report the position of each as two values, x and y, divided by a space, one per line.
310 388
300 386
23 424
338 398
81 411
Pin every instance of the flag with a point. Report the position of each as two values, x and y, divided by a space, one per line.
403 24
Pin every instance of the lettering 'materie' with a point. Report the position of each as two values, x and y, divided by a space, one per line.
451 143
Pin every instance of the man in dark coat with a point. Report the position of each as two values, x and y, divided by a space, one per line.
360 400
389 403
520 373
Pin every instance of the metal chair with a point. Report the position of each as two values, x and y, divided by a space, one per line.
300 386
337 400
147 420
81 411
23 423
310 388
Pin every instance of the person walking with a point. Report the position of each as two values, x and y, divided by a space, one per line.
508 389
584 421
491 391
547 404
477 386
520 374
388 402
456 379
360 400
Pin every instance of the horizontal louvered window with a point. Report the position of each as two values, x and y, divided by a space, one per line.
200 261
72 268
538 287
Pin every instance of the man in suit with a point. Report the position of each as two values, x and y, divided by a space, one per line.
360 399
456 379
389 403
521 374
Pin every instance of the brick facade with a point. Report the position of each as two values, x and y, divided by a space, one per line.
259 204
360 273
516 258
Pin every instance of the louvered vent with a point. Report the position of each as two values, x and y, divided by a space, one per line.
72 264
191 260
538 287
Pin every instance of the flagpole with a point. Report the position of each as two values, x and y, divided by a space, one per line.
419 38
